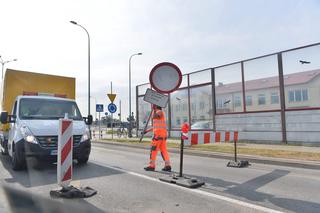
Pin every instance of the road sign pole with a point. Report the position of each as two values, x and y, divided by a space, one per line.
99 126
112 126
181 156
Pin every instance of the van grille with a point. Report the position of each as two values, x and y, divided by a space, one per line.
52 141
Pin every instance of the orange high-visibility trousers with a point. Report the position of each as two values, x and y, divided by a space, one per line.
156 145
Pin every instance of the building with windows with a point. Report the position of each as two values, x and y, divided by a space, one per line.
301 90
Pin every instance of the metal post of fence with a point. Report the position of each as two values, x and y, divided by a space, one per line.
213 93
235 151
282 99
189 102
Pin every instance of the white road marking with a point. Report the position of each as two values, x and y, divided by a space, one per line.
204 193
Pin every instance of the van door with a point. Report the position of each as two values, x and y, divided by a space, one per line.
12 129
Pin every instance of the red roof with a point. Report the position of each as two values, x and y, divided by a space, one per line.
263 83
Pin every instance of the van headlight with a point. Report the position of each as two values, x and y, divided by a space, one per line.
85 136
27 135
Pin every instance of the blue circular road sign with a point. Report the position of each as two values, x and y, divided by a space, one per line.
112 108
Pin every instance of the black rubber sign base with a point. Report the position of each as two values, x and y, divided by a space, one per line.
184 181
238 164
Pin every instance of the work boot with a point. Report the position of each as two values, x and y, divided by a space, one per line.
167 169
149 168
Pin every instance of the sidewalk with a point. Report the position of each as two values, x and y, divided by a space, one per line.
286 155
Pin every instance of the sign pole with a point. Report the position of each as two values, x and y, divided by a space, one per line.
99 126
111 118
181 156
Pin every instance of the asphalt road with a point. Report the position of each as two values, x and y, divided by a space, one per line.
116 172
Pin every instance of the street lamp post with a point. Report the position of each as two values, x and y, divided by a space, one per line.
75 23
95 103
130 113
3 63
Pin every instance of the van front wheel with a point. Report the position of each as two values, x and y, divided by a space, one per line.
16 162
83 160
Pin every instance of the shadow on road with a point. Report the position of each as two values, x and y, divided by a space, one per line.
31 177
249 191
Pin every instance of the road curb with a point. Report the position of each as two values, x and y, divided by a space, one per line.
252 159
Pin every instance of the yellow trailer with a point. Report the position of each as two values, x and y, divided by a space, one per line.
18 82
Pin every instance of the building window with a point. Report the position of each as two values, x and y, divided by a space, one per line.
178 121
219 103
291 96
305 95
184 107
237 101
194 119
248 100
185 119
261 99
177 107
193 106
201 105
274 98
298 95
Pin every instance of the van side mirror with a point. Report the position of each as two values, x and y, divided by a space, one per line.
4 117
88 120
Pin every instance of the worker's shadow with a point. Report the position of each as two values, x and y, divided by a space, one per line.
47 174
248 190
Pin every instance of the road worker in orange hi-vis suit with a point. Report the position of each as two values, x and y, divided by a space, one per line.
159 140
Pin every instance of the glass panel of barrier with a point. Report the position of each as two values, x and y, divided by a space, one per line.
200 77
179 108
228 89
201 107
142 89
144 112
262 84
301 73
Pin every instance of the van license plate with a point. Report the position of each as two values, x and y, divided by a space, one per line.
54 152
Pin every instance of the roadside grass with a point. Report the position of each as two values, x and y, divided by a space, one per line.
229 148
286 154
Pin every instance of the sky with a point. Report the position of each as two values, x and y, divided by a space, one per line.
194 35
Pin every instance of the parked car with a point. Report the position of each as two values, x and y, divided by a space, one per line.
202 125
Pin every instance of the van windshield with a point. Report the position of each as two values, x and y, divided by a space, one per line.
46 109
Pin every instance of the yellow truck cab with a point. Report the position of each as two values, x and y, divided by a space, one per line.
32 105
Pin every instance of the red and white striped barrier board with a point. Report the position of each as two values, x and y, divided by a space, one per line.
65 145
203 137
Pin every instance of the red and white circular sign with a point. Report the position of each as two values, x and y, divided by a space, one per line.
165 77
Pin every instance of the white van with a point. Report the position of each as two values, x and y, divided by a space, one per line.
33 131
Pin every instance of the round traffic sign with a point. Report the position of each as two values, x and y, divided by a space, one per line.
112 108
165 77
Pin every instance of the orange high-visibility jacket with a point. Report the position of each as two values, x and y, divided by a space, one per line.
159 124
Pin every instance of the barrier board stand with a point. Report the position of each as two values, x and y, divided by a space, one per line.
64 164
180 179
236 163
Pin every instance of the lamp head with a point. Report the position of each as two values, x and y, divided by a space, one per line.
73 22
